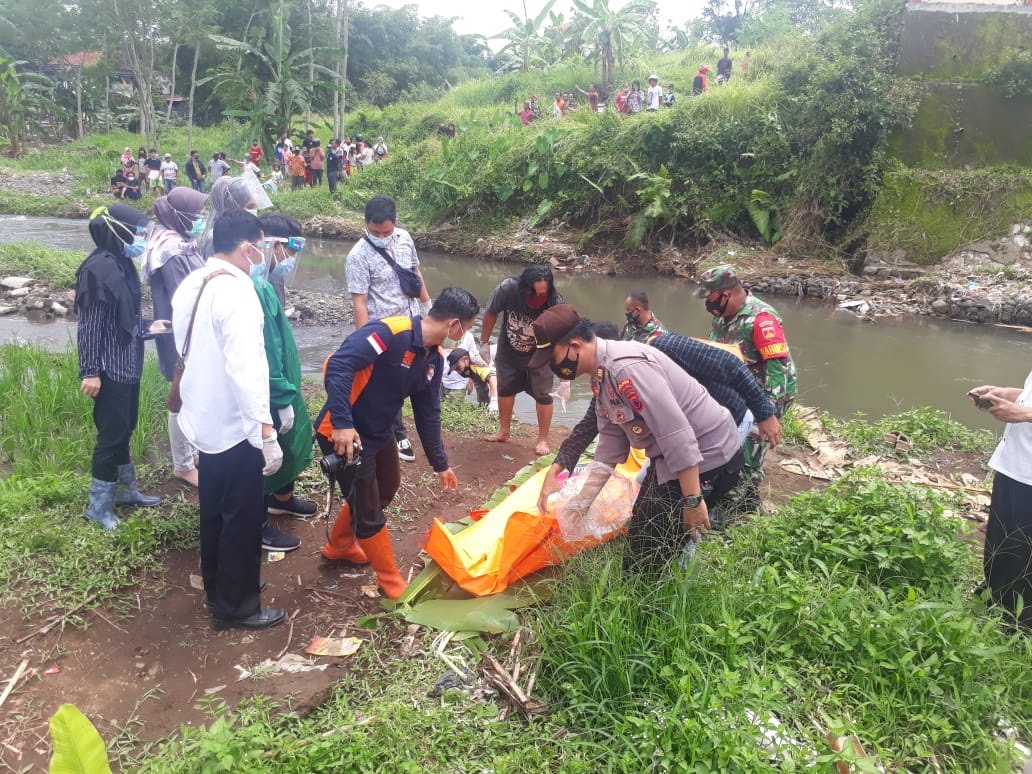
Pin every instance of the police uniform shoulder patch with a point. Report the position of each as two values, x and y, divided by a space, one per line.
626 388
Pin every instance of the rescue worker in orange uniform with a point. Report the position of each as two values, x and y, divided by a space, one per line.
367 379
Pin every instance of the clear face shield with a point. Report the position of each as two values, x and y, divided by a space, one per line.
283 256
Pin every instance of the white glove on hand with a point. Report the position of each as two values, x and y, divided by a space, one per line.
424 308
485 352
562 393
272 453
286 419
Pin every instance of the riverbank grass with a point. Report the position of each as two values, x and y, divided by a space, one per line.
50 557
32 259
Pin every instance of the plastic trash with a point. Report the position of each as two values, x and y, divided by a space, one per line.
594 503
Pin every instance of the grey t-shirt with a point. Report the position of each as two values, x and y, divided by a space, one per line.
369 274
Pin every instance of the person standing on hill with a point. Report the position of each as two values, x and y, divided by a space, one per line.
335 165
317 161
110 338
699 82
1007 558
296 167
375 287
153 167
755 326
592 95
526 115
255 153
169 173
635 99
196 171
217 167
654 95
724 68
519 301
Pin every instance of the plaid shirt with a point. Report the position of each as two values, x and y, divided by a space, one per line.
724 376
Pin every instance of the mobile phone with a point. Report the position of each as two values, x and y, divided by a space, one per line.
982 403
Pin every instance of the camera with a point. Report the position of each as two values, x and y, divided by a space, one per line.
332 464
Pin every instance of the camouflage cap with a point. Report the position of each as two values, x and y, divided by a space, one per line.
720 277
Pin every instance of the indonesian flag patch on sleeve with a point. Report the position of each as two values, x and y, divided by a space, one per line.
769 336
376 343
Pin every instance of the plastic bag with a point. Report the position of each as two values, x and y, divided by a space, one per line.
594 503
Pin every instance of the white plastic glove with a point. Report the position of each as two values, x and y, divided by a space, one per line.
424 308
272 453
562 393
286 419
485 352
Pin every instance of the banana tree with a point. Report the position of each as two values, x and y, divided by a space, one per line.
25 99
613 32
524 36
283 84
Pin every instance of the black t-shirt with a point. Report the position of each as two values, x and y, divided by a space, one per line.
697 85
154 164
724 66
516 342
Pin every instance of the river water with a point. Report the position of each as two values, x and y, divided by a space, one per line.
845 365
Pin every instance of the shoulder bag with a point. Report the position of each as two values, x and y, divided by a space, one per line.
411 284
175 398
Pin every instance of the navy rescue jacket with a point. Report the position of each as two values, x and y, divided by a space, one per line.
370 375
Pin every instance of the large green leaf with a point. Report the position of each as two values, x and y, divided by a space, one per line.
78 748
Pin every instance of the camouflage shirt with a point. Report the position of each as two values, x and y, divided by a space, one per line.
634 332
758 330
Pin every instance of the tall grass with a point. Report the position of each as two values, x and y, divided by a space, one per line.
848 612
32 259
46 424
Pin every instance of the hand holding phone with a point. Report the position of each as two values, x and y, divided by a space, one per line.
983 403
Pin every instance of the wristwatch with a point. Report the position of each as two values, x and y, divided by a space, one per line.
690 501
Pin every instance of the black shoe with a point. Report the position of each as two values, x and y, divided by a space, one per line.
263 619
277 540
405 450
292 507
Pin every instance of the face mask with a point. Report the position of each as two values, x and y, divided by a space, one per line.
449 342
252 210
381 242
135 249
718 307
630 317
198 227
566 368
257 271
283 269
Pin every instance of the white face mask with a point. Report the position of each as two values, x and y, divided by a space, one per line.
450 343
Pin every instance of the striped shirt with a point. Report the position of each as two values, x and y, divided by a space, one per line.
100 350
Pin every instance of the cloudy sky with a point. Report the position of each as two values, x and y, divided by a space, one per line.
487 17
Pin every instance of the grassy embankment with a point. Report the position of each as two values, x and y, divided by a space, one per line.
855 617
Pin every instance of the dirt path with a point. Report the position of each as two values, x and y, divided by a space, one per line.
146 662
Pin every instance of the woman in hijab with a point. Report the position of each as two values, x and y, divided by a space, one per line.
171 254
110 342
227 194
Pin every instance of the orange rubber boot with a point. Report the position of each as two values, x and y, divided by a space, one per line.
381 554
342 545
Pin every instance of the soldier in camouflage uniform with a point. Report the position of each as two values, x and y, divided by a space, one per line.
642 324
741 318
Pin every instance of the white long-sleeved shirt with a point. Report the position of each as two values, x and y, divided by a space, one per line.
225 387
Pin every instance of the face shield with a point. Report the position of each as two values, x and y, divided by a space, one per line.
286 252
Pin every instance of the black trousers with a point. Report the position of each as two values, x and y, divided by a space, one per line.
332 176
232 513
400 433
1008 546
115 410
316 178
368 488
656 531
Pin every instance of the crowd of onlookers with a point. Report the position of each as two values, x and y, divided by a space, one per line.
631 97
303 165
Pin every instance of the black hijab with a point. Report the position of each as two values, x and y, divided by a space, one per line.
107 276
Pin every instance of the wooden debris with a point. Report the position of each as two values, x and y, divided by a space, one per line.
495 674
61 618
14 680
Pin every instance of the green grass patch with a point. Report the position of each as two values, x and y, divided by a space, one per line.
847 612
380 719
32 259
930 430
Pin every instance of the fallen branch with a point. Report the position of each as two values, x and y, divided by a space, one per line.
502 680
290 634
14 680
56 621
112 623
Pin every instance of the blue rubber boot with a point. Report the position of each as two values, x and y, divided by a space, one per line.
100 509
126 492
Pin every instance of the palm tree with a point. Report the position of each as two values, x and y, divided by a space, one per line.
524 36
613 32
285 85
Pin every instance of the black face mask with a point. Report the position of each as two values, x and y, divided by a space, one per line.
566 368
630 317
717 308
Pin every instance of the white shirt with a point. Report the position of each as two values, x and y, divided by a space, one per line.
652 97
367 155
453 380
1013 455
225 387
